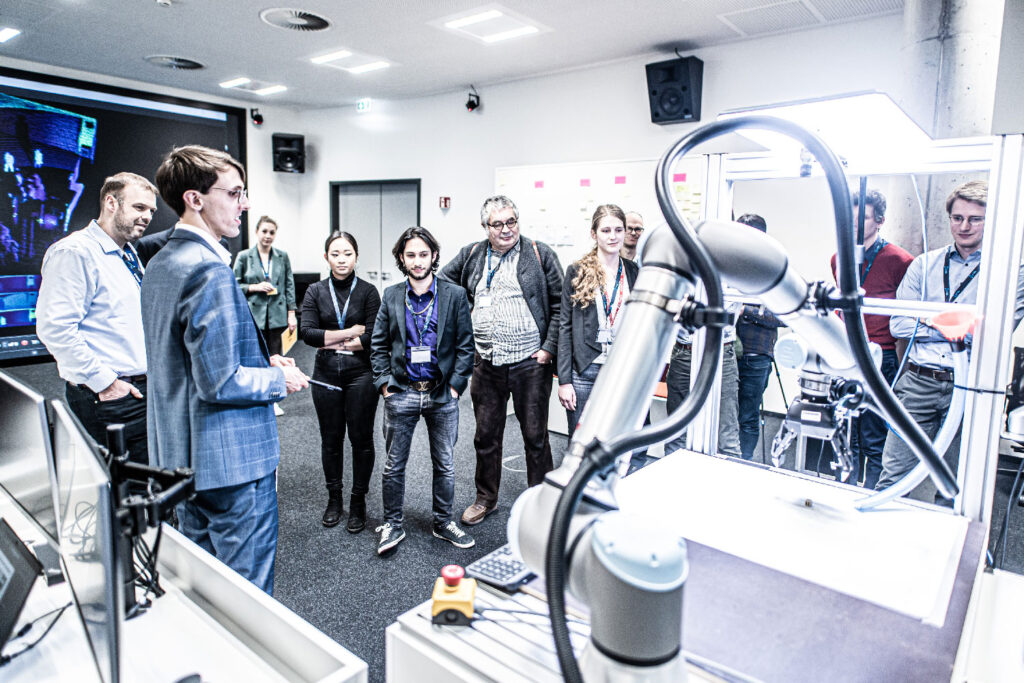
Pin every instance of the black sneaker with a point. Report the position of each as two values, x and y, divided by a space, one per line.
390 536
453 534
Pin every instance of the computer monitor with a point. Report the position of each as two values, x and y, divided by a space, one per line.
88 538
26 460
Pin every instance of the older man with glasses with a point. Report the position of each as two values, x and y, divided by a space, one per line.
926 389
515 286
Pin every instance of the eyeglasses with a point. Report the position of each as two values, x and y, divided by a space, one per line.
237 195
497 225
635 231
975 221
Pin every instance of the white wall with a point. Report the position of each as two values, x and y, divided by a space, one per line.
592 114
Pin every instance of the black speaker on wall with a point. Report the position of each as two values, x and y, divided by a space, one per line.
673 88
289 153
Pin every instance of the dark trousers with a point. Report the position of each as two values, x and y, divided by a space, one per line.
868 433
754 370
95 415
272 335
529 384
351 409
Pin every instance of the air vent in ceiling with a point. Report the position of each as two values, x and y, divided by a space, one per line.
294 19
170 62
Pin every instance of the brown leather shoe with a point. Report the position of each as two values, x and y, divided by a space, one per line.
476 512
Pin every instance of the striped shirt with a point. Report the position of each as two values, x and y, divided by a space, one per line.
505 332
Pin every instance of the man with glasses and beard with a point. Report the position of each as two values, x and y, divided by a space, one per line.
514 286
89 314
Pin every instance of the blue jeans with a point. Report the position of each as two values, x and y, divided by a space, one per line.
678 386
401 413
238 526
582 384
754 370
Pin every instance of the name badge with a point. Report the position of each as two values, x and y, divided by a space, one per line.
343 352
604 336
419 354
483 301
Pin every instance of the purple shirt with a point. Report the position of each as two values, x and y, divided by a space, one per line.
421 372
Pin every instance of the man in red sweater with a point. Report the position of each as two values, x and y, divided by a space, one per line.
880 274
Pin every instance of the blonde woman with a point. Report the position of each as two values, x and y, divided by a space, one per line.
594 292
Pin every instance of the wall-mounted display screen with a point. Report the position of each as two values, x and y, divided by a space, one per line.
59 140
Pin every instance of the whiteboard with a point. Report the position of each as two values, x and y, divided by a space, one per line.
557 201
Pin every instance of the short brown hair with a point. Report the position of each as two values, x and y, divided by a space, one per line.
972 191
116 183
192 167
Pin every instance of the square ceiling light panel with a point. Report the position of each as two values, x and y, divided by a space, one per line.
489 24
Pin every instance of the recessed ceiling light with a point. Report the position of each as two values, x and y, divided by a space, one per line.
272 90
514 33
235 82
8 33
363 68
331 57
474 19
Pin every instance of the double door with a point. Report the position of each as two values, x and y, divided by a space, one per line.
376 213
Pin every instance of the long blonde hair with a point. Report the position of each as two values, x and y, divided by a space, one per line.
589 271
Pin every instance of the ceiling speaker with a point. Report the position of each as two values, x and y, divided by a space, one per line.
673 88
289 153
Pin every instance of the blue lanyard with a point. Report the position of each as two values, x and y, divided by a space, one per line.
492 271
334 298
132 261
963 285
869 258
269 267
425 313
615 290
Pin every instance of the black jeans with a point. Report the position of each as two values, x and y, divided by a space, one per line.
95 415
529 384
353 408
272 335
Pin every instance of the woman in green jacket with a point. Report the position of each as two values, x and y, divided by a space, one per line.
265 275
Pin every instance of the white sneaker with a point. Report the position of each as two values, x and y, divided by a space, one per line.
277 410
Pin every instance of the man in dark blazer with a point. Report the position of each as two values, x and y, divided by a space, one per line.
422 356
514 285
149 245
212 384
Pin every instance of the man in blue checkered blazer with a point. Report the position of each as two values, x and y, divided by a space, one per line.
212 384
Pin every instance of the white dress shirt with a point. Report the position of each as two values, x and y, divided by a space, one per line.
88 313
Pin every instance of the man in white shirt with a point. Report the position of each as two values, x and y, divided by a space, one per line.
89 315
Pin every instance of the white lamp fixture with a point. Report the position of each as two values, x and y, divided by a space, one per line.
868 131
235 82
7 33
270 90
475 18
370 66
489 24
331 57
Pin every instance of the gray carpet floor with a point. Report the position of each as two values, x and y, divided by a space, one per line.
336 580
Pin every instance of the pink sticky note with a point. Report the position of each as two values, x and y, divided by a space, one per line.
678 177
538 184
620 180
584 182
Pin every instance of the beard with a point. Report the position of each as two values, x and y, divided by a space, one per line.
427 272
125 228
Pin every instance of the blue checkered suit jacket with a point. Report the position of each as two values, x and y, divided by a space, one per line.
210 381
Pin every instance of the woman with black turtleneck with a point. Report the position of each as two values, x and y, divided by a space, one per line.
337 318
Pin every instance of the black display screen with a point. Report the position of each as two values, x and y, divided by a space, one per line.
59 140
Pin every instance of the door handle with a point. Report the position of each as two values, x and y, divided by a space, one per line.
385 276
372 274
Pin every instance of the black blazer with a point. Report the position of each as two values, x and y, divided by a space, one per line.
577 327
455 349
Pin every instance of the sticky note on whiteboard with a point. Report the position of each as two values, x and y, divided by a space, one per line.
538 184
678 177
584 182
620 180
